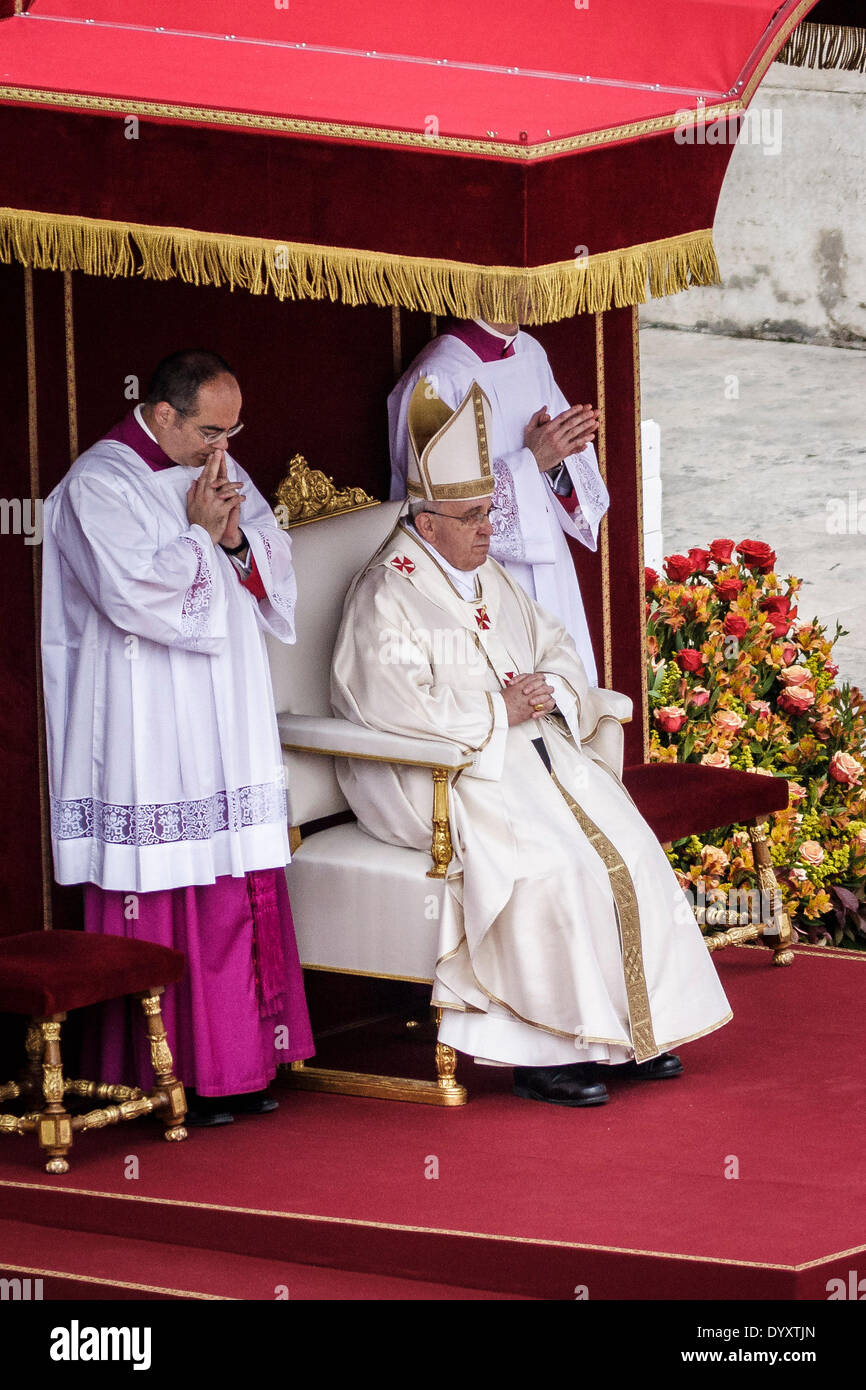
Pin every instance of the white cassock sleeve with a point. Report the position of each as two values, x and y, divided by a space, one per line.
173 595
271 548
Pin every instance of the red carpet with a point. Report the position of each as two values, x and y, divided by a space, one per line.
630 1199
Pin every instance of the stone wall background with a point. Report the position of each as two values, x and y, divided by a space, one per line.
790 230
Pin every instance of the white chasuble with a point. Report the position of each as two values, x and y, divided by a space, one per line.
164 759
564 933
531 525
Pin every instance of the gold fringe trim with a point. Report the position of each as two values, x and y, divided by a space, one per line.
292 270
825 46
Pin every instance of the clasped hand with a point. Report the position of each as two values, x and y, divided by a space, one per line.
214 502
528 697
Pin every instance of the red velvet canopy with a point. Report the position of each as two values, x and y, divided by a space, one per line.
548 139
403 160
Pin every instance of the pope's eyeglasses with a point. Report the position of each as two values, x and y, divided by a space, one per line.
473 519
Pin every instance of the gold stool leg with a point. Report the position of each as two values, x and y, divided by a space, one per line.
168 1091
780 945
446 1063
54 1126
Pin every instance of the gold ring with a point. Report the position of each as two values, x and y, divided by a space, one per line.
538 706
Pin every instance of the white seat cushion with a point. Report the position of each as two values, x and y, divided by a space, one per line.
363 906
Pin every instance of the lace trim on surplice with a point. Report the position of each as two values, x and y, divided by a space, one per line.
196 604
506 543
85 818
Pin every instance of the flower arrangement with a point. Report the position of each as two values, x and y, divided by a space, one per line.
735 680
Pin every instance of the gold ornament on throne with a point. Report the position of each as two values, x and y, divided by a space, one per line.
306 494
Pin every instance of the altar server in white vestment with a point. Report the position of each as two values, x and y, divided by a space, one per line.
163 570
548 484
567 948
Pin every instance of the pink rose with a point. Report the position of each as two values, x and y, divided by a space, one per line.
811 852
796 700
699 696
728 720
714 861
716 760
831 668
671 718
845 769
760 707
795 675
789 651
796 792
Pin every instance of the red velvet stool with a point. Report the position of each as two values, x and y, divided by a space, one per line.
679 799
44 975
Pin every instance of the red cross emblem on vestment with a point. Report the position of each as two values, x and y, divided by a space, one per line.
510 676
403 564
481 618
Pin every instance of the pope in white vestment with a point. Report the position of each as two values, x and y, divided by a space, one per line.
565 939
533 518
165 768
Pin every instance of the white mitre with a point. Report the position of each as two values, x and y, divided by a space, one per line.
449 450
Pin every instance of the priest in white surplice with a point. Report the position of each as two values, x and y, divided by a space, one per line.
163 570
566 944
548 485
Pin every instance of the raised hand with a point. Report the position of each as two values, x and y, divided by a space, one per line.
552 440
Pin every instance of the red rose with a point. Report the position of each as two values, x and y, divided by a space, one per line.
775 603
721 551
689 660
650 578
728 588
678 568
780 622
757 555
734 625
699 558
671 718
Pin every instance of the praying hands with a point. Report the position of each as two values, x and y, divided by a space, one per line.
214 502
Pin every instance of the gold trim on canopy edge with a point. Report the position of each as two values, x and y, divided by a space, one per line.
295 270
362 134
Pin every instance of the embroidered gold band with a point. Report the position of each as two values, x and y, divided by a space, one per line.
625 898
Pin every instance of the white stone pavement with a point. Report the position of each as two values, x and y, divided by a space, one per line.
767 440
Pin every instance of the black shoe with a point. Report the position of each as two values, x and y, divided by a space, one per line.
577 1084
253 1103
659 1068
206 1112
